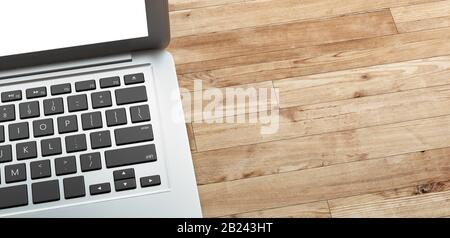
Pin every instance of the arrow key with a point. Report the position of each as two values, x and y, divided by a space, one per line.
124 185
98 189
124 174
150 181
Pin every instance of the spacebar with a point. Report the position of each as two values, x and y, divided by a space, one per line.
13 196
130 156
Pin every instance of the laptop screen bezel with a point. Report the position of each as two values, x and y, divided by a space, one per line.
159 38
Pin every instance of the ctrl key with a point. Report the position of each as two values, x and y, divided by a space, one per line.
13 197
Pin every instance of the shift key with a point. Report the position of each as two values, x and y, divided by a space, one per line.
132 135
130 156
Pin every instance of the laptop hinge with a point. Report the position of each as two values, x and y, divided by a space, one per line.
72 65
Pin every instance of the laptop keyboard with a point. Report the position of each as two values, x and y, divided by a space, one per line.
52 137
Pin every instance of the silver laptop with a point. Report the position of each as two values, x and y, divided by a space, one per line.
90 116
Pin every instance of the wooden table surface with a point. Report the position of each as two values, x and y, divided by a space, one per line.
364 100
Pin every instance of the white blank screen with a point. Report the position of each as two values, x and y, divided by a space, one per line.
38 25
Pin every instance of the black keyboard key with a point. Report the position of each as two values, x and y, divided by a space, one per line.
134 135
101 139
19 131
110 82
45 191
51 147
134 79
130 156
67 124
85 86
124 174
7 113
131 95
91 121
140 114
53 106
5 153
40 169
90 162
27 150
2 134
12 96
101 100
29 110
116 117
43 128
124 185
15 173
77 103
66 165
13 196
61 89
76 143
150 181
74 187
36 92
98 189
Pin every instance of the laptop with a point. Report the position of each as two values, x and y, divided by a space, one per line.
90 111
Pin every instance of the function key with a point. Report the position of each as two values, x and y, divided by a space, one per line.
36 92
7 113
2 134
110 82
12 96
85 85
61 89
134 79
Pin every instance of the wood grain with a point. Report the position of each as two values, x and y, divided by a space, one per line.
310 210
364 102
267 12
331 182
422 16
429 200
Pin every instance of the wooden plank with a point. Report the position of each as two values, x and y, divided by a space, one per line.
310 210
267 12
279 37
320 150
259 67
431 200
363 82
196 105
177 5
191 136
422 16
328 117
331 182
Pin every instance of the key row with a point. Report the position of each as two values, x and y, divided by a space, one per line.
69 124
49 191
77 143
67 88
75 103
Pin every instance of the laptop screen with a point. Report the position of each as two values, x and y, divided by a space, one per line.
28 26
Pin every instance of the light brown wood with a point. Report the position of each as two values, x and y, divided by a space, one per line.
267 12
364 102
331 182
422 16
430 200
310 210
